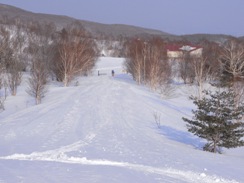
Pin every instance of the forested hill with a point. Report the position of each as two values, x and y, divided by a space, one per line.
97 29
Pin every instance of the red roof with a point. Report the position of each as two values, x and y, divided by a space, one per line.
178 47
173 47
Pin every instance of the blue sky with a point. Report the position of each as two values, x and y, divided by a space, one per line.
172 16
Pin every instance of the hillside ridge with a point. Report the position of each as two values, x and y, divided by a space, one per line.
96 29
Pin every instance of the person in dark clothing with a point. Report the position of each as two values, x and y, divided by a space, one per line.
113 73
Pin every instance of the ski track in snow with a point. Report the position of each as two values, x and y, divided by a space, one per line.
95 128
66 125
72 117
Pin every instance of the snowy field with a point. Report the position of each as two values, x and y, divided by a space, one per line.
104 131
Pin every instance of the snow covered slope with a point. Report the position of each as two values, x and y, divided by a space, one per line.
103 130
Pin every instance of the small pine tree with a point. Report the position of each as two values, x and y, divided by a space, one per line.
218 120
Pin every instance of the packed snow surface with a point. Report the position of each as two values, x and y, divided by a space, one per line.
103 129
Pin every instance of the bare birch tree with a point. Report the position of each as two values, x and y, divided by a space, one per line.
5 57
76 53
232 61
201 72
39 49
37 81
2 68
186 69
41 37
11 64
158 69
135 62
146 61
211 53
232 58
14 76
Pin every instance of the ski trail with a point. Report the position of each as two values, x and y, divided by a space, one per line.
60 156
68 124
103 125
65 125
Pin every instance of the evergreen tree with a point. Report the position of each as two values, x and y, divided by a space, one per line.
218 120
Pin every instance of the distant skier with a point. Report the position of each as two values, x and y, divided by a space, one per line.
113 73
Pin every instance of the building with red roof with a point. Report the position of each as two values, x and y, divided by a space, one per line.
176 51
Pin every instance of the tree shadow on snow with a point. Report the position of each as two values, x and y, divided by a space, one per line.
182 137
